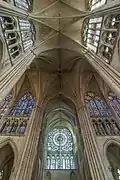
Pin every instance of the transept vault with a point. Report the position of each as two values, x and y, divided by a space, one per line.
59 90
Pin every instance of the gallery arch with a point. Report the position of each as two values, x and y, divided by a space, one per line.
113 153
6 162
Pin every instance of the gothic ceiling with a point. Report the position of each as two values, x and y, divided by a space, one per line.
58 26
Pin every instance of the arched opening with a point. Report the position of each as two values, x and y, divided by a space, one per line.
113 155
6 162
60 147
22 109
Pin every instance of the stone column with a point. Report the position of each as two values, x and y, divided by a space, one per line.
94 159
23 170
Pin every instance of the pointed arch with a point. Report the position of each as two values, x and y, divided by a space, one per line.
99 112
23 107
17 119
8 157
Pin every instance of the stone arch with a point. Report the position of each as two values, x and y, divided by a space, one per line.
8 157
13 146
106 145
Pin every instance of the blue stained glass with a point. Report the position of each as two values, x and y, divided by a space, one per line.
114 102
96 106
23 106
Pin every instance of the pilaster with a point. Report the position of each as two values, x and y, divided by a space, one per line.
94 159
25 168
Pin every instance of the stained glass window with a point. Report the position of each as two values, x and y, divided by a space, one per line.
27 33
5 104
94 4
91 34
60 149
114 102
9 26
23 106
23 4
16 121
96 106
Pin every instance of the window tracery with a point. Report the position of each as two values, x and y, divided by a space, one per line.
5 104
11 35
92 33
102 119
100 35
114 102
94 4
27 32
109 35
96 106
23 4
18 117
60 149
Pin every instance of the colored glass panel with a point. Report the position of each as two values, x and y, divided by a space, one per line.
114 102
23 106
60 149
96 106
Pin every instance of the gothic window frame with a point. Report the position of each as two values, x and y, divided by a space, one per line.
114 102
103 121
96 105
58 156
109 36
16 121
27 33
95 4
92 32
11 35
20 104
4 105
23 4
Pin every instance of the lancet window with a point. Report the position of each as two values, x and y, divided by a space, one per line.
18 117
109 36
60 153
103 121
5 104
11 35
94 4
27 32
23 4
114 101
100 35
91 33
